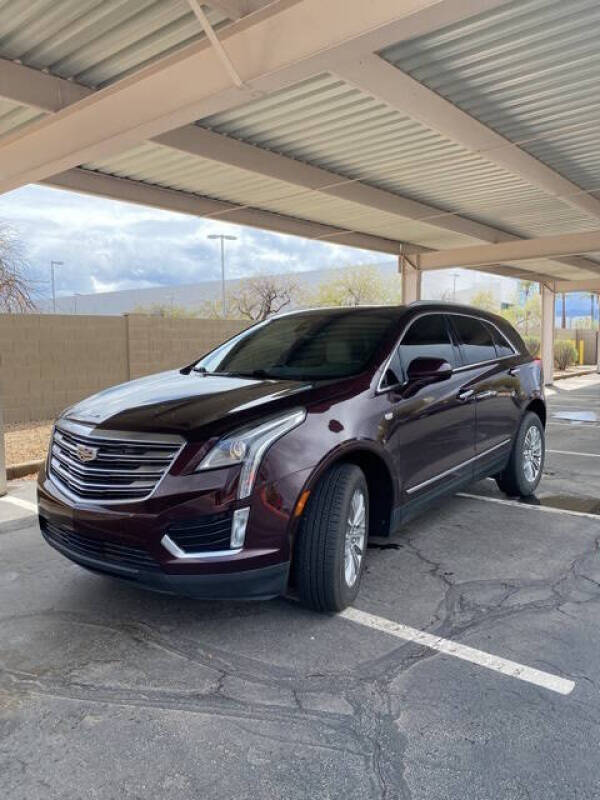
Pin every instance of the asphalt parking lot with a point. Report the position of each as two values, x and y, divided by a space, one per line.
107 691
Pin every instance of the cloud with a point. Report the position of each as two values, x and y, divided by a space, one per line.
108 245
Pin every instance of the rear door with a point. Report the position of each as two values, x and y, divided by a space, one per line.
488 363
431 427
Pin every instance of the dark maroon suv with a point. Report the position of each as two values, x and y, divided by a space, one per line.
265 465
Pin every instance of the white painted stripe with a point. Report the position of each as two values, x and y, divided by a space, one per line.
576 423
511 668
573 453
17 501
531 507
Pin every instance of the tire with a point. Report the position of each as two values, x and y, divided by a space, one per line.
320 564
520 479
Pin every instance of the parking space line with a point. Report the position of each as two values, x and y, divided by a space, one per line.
530 506
17 501
511 668
573 453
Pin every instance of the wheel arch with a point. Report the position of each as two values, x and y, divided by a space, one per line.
538 407
380 482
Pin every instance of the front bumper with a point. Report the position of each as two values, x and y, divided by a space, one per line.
125 541
256 584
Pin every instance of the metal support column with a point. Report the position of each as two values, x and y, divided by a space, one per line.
2 455
411 280
548 322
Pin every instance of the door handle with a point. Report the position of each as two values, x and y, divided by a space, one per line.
485 395
514 371
465 395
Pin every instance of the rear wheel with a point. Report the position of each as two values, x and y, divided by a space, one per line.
331 542
524 469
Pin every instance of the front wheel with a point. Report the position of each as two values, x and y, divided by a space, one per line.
524 469
332 539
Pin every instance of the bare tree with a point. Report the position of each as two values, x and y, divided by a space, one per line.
15 289
262 296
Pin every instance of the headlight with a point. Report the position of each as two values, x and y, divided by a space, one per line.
248 445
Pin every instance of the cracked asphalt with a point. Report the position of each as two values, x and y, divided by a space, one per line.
108 691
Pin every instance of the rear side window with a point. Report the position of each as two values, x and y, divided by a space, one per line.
427 337
503 348
475 338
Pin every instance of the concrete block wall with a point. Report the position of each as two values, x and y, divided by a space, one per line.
50 361
157 343
589 338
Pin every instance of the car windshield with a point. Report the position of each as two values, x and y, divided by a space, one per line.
315 345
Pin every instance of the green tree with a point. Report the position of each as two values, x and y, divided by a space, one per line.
16 290
166 310
486 300
356 286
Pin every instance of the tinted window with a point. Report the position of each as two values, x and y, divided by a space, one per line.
502 346
475 338
305 346
427 337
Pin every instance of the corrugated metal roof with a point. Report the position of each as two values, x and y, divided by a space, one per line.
530 70
326 122
96 42
163 166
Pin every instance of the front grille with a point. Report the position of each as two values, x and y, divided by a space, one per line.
109 553
108 466
202 534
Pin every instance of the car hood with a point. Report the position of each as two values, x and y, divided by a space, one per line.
184 403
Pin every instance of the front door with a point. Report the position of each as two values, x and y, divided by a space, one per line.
430 427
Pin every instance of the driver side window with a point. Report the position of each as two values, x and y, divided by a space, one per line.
427 337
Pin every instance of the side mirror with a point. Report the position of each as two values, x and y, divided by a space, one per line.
428 369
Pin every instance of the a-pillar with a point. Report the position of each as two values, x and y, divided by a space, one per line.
411 281
548 322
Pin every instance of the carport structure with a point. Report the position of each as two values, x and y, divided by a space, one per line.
451 133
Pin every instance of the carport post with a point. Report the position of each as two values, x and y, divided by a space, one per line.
2 456
411 280
548 322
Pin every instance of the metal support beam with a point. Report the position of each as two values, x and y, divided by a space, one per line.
191 83
411 280
564 244
547 342
25 85
3 486
382 79
100 185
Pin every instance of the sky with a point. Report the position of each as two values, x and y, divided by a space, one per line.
108 245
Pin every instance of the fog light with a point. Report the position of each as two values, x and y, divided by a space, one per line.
238 527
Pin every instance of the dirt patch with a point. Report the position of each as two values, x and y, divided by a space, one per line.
26 443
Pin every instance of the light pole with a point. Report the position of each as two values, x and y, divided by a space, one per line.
52 265
455 275
222 237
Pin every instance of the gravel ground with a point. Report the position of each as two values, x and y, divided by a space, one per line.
26 442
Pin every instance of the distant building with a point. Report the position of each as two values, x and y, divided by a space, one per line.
459 286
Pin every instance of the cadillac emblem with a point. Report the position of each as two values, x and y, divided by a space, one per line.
85 453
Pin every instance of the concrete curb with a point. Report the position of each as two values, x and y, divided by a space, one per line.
18 524
24 468
561 376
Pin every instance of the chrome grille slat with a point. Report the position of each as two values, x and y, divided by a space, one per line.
59 454
123 467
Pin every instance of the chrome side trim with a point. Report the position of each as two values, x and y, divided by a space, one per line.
457 467
177 552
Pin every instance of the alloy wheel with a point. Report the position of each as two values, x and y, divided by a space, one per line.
532 453
356 527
